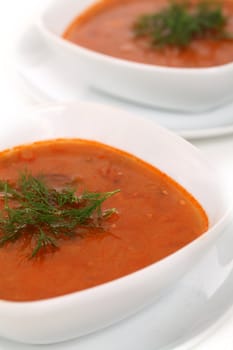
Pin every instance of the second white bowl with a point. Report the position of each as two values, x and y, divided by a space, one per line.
180 89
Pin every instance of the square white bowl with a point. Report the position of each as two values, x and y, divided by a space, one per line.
77 314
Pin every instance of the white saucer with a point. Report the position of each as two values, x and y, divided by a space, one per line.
187 314
49 80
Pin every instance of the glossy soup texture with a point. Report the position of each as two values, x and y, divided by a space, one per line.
155 218
106 27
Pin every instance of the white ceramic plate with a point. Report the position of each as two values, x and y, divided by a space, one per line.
200 309
49 80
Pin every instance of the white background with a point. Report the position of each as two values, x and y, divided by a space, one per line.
15 15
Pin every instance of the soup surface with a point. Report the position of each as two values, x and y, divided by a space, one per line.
155 217
106 27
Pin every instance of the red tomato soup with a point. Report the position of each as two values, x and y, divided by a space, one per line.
155 217
106 27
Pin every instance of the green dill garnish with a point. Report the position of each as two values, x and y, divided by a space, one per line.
180 23
44 213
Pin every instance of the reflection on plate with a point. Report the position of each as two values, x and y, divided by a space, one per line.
180 320
50 80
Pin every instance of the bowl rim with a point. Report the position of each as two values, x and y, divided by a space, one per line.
225 219
78 49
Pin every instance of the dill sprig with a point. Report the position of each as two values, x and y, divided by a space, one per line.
44 213
180 23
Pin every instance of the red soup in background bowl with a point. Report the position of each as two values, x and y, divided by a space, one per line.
107 27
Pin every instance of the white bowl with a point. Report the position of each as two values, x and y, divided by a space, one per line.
80 313
182 89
